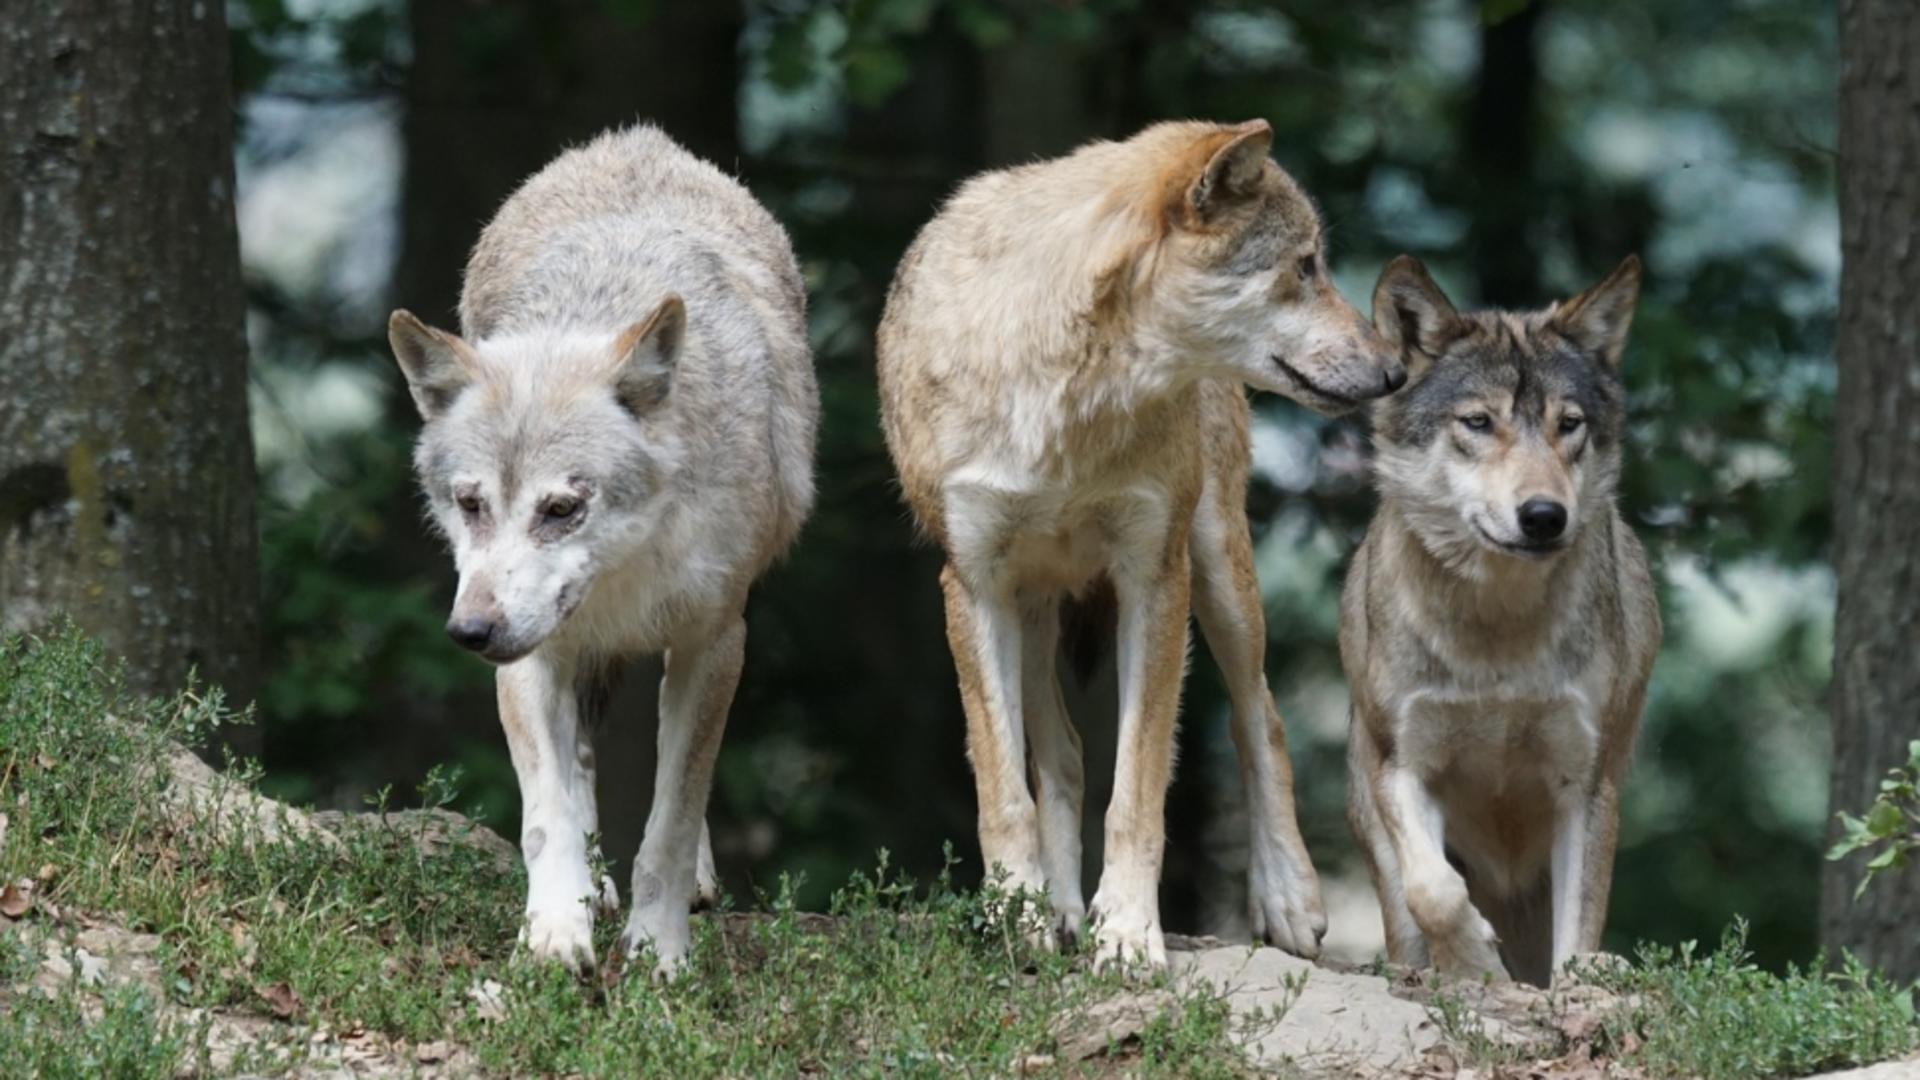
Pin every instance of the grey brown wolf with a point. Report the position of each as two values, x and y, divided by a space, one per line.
1497 628
617 446
1061 365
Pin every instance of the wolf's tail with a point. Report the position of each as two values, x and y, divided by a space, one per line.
1088 623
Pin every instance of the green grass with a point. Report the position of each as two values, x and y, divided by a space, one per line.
370 934
1719 1016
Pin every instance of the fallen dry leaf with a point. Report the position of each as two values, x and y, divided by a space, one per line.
428 1053
281 999
16 898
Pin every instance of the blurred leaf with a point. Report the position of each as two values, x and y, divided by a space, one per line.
988 27
873 72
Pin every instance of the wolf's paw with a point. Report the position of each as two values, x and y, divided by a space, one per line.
1022 895
563 934
664 929
1122 940
1472 953
607 901
1068 921
1284 905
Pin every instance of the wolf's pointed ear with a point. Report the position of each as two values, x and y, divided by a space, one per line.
438 365
1597 320
1233 168
647 354
1411 312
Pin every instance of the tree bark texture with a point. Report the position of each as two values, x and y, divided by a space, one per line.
126 465
1876 663
1500 142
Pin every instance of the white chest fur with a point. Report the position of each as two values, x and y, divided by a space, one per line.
1026 533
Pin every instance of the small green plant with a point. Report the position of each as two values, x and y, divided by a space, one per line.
1721 1016
1891 827
53 1037
1469 1034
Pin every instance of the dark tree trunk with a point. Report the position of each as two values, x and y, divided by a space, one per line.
1876 682
1500 154
126 466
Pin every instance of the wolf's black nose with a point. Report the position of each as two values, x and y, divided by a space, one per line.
1396 376
471 633
1542 519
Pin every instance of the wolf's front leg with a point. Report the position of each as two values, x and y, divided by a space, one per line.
1583 871
984 632
1459 938
703 670
1569 871
1150 656
1283 892
554 763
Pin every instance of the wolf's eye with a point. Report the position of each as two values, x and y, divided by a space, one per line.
1478 421
468 502
1570 423
560 508
1309 266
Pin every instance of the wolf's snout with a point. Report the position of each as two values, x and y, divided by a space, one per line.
474 633
1542 520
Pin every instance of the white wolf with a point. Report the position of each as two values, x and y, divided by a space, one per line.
619 445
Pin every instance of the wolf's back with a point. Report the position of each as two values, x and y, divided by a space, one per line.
653 191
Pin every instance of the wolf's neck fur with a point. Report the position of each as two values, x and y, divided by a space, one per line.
1478 591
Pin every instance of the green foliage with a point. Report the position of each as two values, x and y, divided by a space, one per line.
1720 1017
366 931
342 630
56 1038
1891 828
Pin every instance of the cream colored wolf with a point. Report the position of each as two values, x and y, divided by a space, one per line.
619 446
1060 368
1498 628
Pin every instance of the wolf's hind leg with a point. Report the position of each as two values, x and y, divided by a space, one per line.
553 760
1283 892
703 670
1059 782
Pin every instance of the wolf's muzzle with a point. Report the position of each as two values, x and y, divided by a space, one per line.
1542 520
473 634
